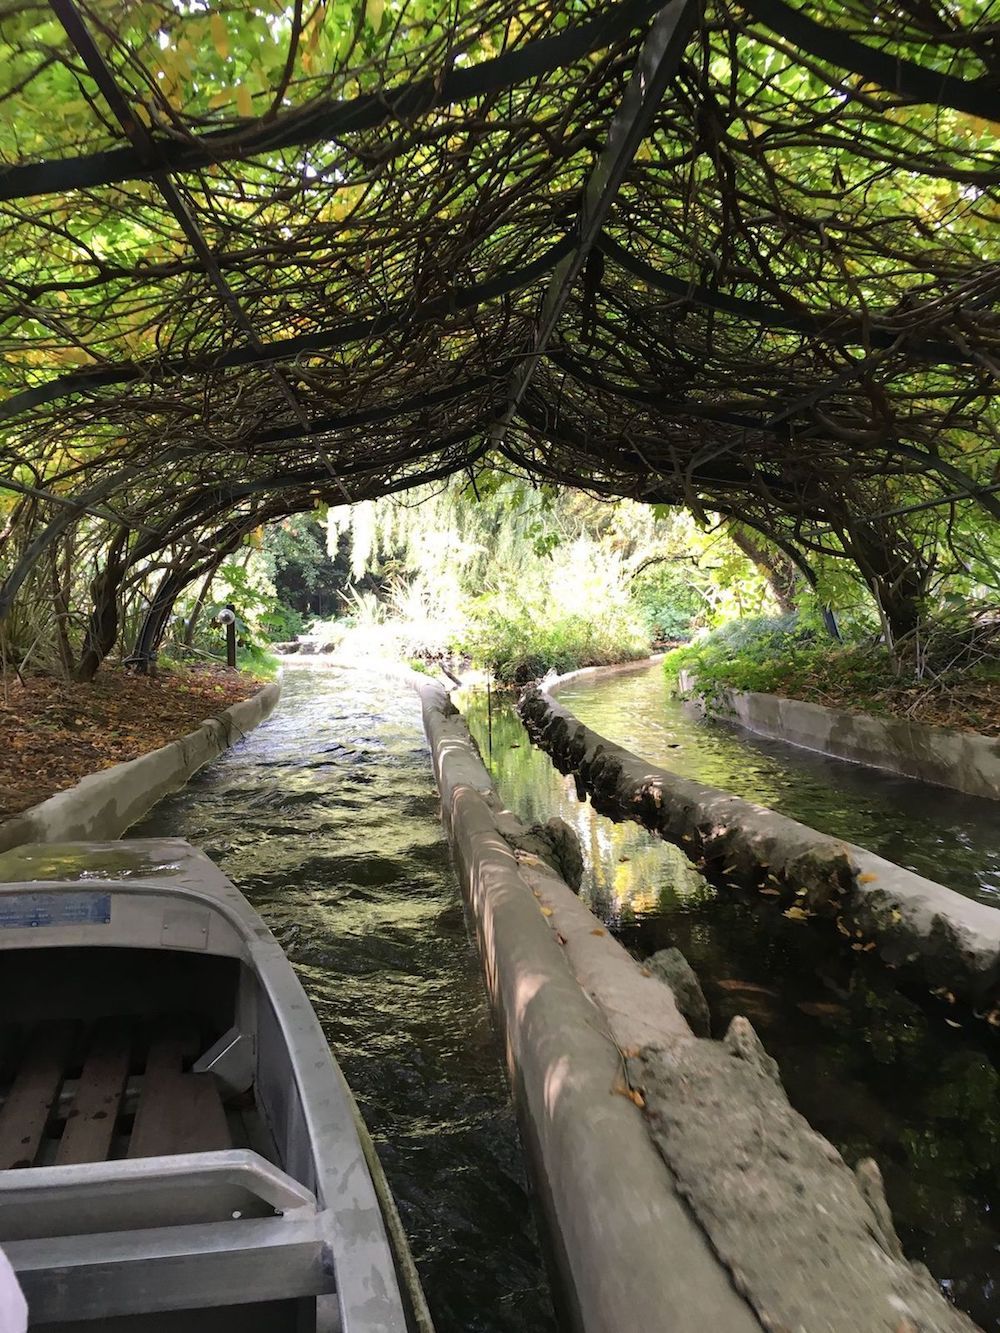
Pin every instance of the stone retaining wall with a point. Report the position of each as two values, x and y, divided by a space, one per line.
103 805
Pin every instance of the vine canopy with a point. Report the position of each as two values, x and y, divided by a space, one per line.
260 256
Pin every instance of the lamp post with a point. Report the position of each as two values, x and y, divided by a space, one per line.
227 617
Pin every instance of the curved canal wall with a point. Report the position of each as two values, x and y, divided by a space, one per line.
963 760
950 942
103 805
681 1189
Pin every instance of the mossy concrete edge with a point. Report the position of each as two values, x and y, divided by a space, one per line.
103 805
770 1210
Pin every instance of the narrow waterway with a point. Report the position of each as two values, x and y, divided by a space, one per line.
951 838
876 1071
326 818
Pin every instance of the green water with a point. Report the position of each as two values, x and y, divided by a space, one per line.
326 818
943 834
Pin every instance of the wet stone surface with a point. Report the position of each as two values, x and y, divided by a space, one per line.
326 818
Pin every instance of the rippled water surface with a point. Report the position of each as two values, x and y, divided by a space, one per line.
878 1073
951 838
326 818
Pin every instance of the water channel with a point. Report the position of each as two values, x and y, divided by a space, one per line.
327 819
878 1072
951 838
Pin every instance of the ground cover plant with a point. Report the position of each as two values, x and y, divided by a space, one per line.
953 682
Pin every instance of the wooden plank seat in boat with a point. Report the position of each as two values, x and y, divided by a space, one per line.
28 1105
178 1111
90 1124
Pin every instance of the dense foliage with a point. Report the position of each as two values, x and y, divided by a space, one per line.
955 681
328 286
524 580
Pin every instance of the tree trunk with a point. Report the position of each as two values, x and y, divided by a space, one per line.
60 608
102 627
897 576
776 568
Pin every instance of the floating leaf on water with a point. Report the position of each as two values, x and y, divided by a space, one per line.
796 914
821 1008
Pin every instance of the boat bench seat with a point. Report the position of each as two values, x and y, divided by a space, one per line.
97 1240
115 1089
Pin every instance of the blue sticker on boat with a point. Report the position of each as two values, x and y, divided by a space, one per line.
18 910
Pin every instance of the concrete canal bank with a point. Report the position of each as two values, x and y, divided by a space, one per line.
963 760
103 805
682 1190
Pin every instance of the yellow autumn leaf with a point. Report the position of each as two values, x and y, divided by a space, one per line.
374 11
546 911
867 879
623 1090
220 36
796 914
244 102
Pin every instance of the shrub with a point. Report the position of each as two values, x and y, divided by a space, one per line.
519 643
666 603
780 655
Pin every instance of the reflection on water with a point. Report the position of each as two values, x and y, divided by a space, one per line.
327 819
943 834
871 1069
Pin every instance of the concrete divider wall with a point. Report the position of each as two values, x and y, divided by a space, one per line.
715 1206
629 1254
103 805
948 940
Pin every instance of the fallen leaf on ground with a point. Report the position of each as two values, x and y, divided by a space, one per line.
623 1091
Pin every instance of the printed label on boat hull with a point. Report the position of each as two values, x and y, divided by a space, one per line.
21 910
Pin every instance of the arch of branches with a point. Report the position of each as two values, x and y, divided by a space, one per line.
263 256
